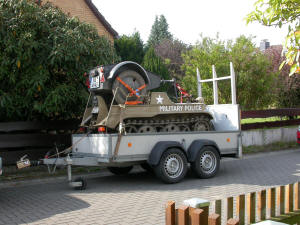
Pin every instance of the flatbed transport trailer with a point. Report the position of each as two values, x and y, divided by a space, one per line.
167 154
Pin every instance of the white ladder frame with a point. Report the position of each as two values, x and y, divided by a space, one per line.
215 80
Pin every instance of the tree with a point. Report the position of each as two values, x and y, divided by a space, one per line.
255 81
203 55
155 64
170 51
43 55
288 87
159 31
277 13
130 48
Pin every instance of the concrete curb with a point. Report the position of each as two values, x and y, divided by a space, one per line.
271 153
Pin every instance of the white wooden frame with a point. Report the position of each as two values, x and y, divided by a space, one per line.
215 80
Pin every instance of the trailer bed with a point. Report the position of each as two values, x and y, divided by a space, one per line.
137 147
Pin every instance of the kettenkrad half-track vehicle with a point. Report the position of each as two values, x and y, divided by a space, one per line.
120 100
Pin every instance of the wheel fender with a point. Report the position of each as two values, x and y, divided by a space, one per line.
129 65
197 145
160 148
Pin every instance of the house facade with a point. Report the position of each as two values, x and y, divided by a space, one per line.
87 12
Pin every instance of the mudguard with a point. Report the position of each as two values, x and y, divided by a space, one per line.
129 65
197 145
160 148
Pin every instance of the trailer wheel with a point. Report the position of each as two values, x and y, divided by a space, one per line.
172 166
83 183
120 170
207 162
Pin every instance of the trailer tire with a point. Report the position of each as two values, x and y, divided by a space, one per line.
207 162
120 170
83 183
172 166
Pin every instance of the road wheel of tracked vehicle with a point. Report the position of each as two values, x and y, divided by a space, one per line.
171 128
172 166
185 128
207 162
130 129
120 170
146 129
203 124
130 86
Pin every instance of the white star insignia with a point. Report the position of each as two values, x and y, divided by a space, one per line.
159 100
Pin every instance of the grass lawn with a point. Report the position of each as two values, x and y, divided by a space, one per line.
262 120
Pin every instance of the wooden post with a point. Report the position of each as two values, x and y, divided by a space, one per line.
240 208
191 210
197 217
183 215
170 213
297 192
289 197
281 199
213 219
271 201
251 207
233 222
229 208
218 207
205 215
200 204
261 205
278 201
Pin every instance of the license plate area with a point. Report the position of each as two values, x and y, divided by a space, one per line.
95 82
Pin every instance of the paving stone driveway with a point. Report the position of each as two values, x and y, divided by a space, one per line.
139 198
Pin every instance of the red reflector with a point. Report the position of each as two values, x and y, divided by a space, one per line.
82 129
102 78
101 129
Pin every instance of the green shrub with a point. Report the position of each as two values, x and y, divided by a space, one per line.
43 55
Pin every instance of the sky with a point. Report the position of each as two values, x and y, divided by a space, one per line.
188 19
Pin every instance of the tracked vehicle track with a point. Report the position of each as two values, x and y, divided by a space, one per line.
169 123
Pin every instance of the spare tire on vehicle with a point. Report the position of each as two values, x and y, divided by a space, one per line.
130 86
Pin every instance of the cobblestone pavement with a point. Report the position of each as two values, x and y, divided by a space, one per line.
139 198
